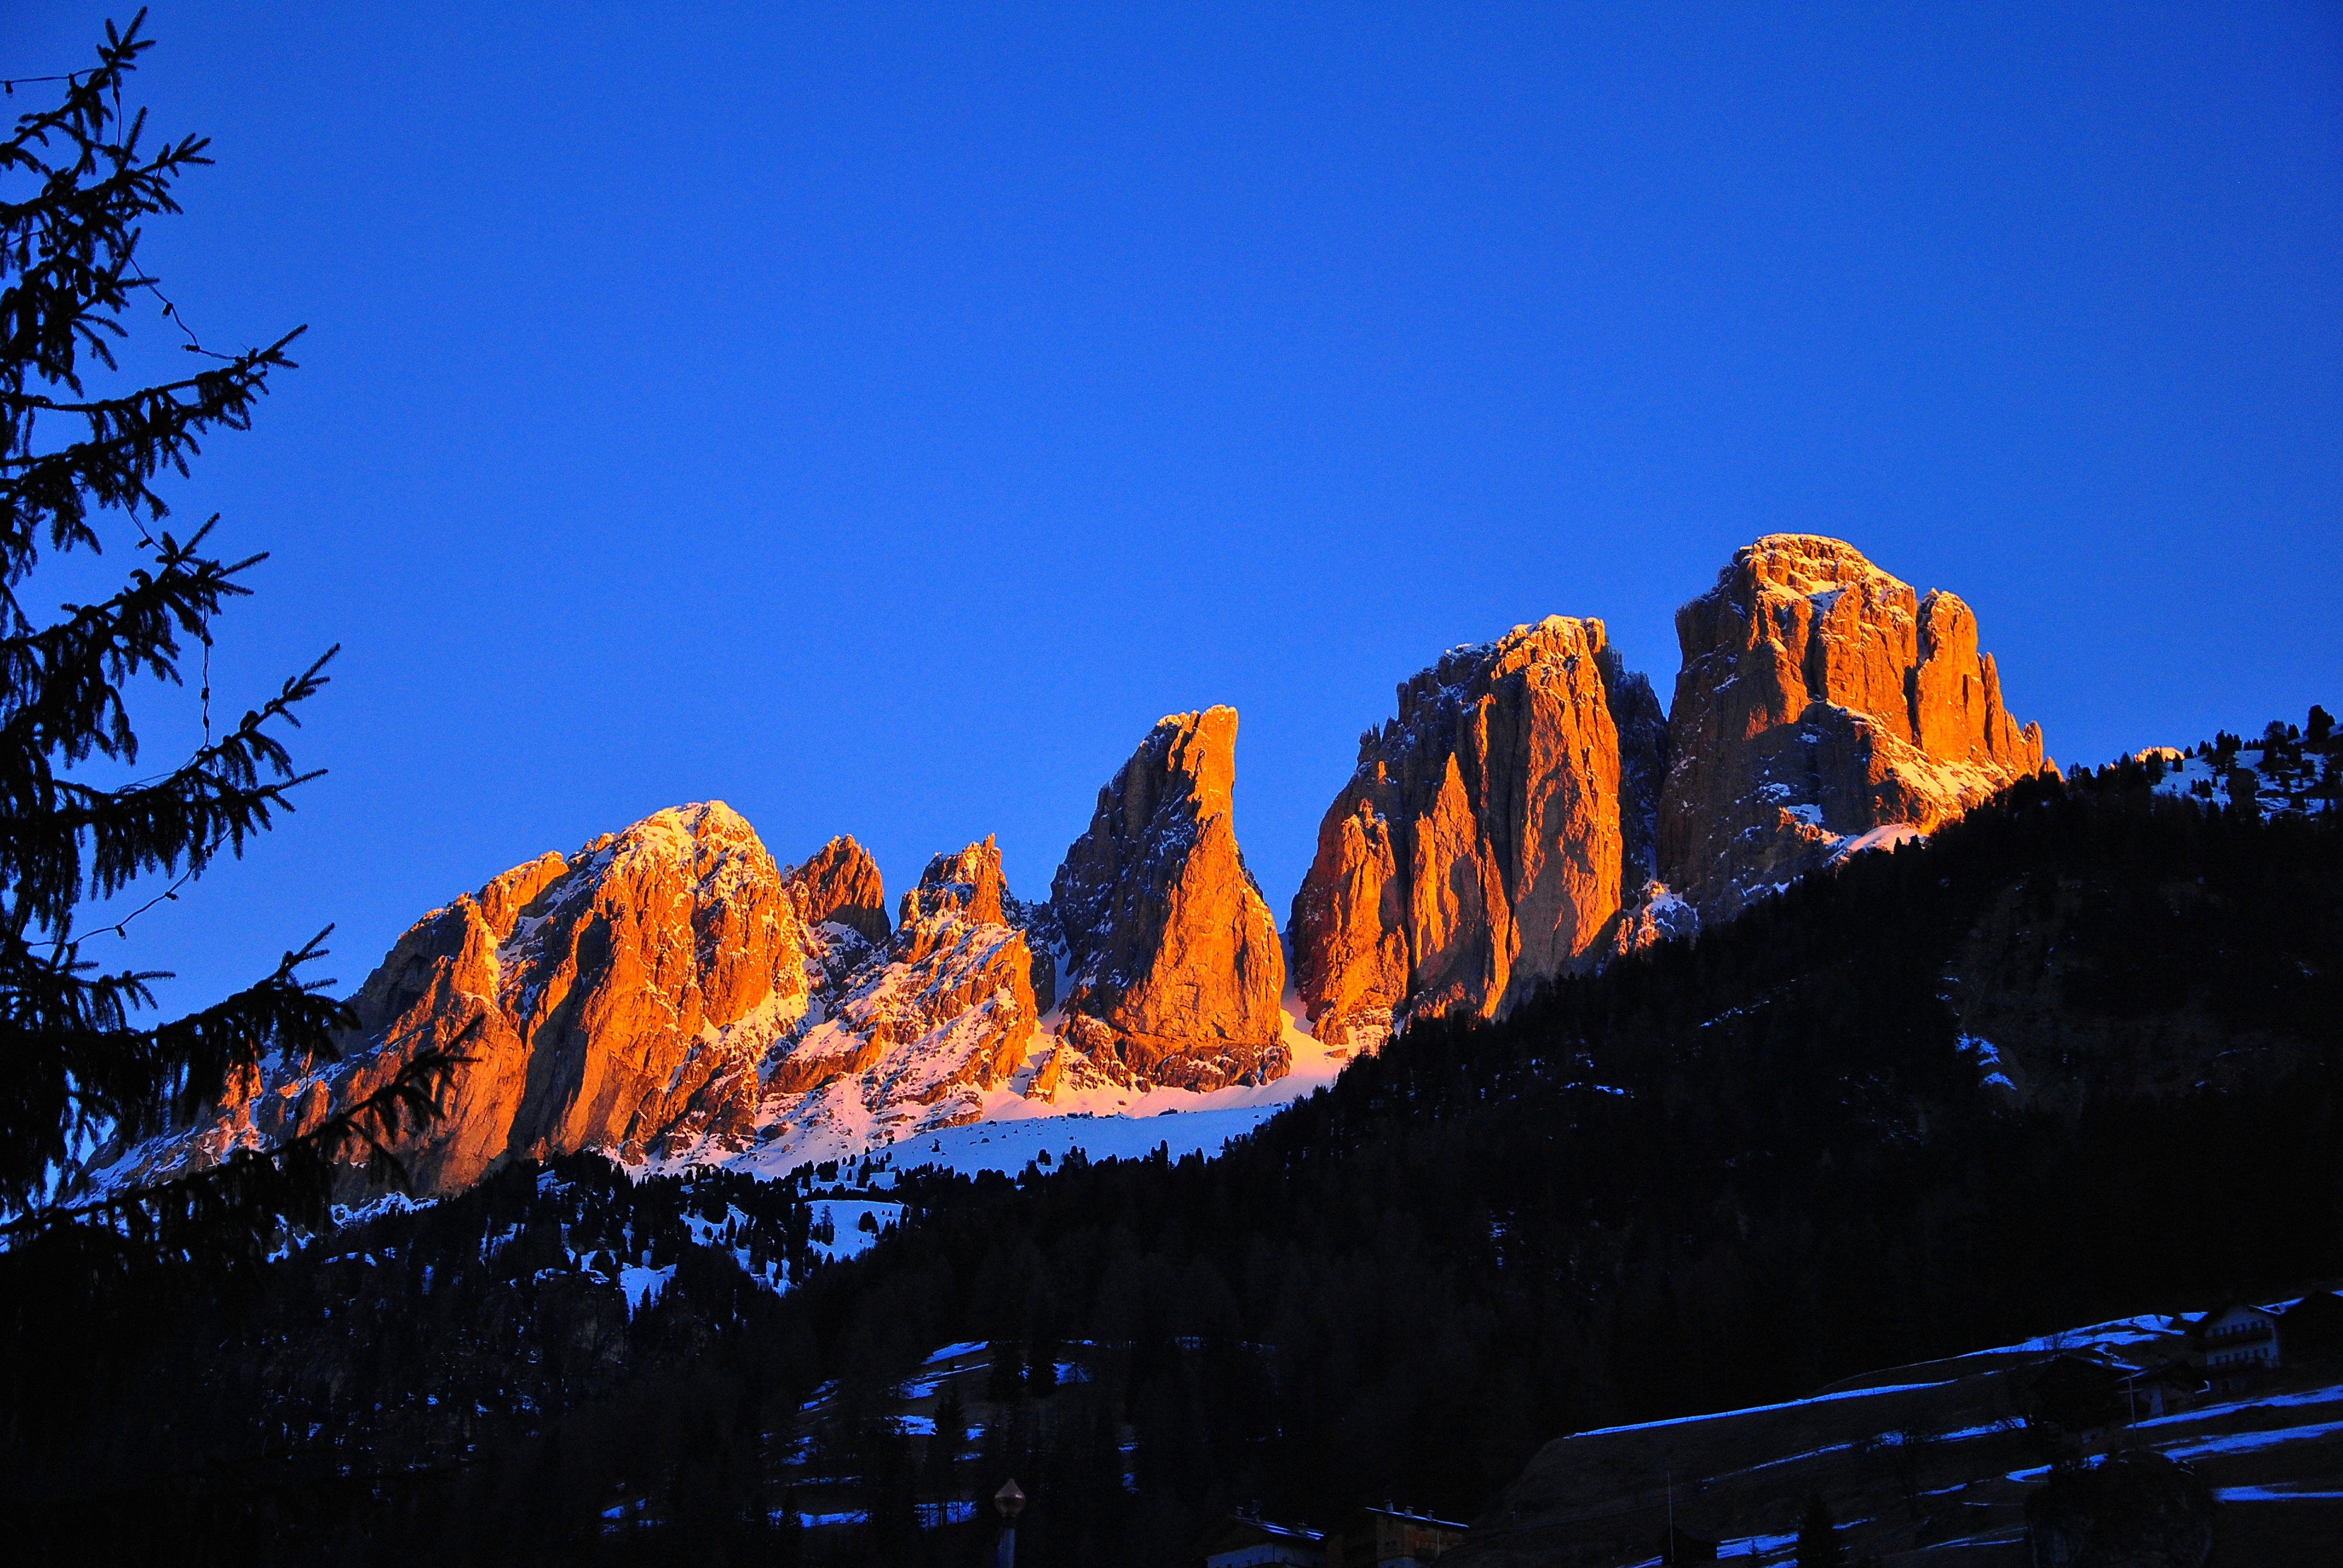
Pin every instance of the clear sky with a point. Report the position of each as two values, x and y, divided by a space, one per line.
876 416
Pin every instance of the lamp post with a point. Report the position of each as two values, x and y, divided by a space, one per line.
1012 1502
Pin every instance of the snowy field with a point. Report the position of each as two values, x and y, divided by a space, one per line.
2276 789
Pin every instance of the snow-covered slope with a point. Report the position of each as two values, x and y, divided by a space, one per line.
2284 779
1018 1121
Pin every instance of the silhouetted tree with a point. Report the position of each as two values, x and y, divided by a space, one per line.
1818 1542
77 1068
941 1471
1005 1377
1041 1364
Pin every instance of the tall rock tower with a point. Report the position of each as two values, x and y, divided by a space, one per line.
1175 969
1823 705
1497 833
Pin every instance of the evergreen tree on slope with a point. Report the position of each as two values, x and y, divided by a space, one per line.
78 1067
1818 1542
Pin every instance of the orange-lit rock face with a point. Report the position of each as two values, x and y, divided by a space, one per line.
925 1027
1489 839
966 883
667 991
615 998
1174 954
1821 699
840 885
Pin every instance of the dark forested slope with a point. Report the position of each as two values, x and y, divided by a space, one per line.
2074 1055
1718 1174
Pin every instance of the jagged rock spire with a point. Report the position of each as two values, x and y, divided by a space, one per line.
1176 965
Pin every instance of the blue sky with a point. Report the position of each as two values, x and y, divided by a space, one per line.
876 416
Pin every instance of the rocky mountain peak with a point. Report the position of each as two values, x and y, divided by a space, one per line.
1177 972
967 882
666 990
840 883
604 996
927 1026
1490 838
1822 699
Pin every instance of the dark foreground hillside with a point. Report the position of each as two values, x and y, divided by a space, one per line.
2073 1057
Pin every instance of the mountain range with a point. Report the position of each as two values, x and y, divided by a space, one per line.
2069 1059
1545 1182
672 994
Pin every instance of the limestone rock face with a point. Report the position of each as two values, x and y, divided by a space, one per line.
607 998
925 1027
1823 705
1495 834
969 883
666 992
1176 971
840 884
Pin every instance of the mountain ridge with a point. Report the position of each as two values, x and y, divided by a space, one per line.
670 992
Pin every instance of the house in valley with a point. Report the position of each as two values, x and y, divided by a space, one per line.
1390 1537
2237 1341
2161 1388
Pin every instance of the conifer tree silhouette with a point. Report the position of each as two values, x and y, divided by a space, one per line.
78 1067
1818 1542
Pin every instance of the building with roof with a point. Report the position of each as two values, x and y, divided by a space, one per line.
1390 1537
2237 1341
2160 1387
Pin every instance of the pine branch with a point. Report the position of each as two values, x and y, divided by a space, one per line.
408 1100
76 1071
86 109
130 441
59 686
215 801
71 246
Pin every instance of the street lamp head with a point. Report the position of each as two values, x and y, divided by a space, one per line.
1009 1501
